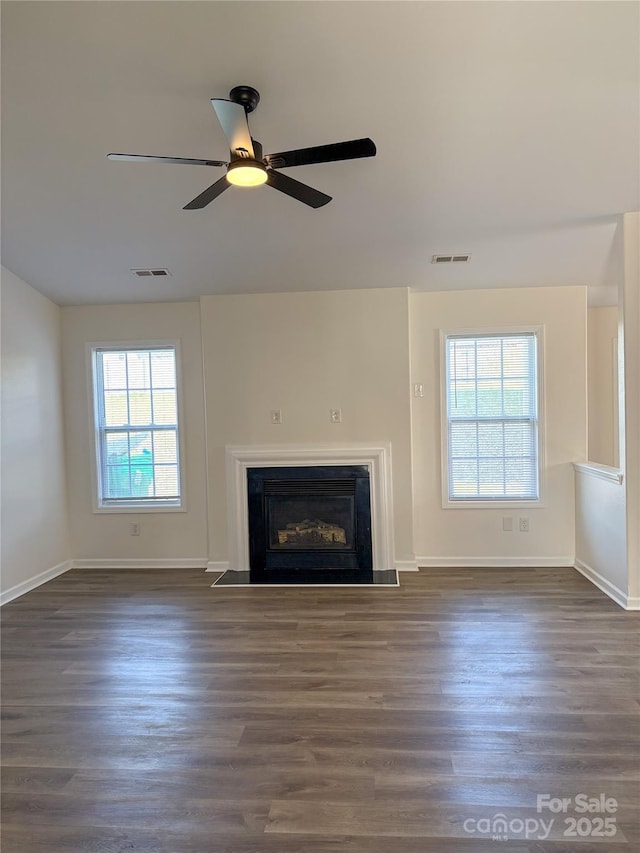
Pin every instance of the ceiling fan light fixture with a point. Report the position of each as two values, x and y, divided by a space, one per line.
246 173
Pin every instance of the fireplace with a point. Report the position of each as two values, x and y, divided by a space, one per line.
374 457
309 523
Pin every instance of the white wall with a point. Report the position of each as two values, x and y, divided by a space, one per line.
105 536
34 502
463 536
601 545
630 433
305 353
608 512
602 376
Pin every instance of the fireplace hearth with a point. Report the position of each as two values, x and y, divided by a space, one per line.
310 524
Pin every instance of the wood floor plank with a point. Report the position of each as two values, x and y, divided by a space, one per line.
411 818
98 839
145 711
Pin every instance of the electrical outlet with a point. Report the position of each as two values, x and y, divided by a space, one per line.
418 389
507 523
335 416
523 525
276 416
134 528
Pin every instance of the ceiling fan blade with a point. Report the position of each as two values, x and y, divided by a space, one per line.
351 150
208 195
233 119
149 158
301 192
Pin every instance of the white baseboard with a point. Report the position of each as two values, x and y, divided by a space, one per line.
145 563
495 562
406 565
26 586
610 589
217 566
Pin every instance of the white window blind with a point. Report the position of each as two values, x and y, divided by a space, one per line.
492 417
136 407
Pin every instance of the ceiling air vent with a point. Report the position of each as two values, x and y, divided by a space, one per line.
450 259
149 272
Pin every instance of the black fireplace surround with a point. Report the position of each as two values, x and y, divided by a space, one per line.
310 524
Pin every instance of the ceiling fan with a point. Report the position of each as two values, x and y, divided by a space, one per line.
247 167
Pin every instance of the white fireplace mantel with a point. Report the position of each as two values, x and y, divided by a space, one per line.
376 457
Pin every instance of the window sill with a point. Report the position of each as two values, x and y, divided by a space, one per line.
497 504
136 509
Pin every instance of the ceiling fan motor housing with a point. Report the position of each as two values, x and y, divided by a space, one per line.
245 95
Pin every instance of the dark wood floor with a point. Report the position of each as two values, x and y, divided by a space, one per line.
144 711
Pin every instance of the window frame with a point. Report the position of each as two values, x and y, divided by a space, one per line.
492 503
132 506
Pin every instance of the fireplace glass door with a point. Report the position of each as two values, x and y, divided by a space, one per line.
309 518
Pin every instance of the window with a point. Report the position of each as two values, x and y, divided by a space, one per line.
136 417
491 418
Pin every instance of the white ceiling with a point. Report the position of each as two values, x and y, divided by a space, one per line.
508 130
